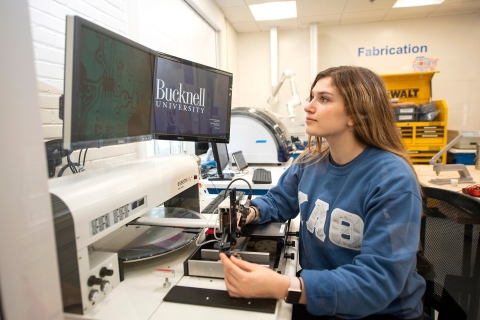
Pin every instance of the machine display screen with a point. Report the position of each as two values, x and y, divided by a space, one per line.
115 89
108 86
191 102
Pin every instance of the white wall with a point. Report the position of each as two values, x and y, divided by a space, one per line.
160 28
454 40
136 20
29 281
230 61
47 22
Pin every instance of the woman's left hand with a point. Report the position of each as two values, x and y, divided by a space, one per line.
248 280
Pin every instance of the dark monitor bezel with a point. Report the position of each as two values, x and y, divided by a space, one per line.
237 158
201 148
219 165
73 32
193 137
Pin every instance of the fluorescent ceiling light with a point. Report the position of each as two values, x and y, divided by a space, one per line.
274 10
415 3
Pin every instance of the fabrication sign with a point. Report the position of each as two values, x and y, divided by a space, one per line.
386 50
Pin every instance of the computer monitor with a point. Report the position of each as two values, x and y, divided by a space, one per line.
220 154
107 87
192 102
201 148
239 160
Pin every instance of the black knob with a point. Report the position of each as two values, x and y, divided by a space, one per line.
290 244
294 234
105 272
289 256
94 280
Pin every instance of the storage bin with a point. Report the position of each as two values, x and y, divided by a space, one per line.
427 107
422 139
463 158
405 109
402 117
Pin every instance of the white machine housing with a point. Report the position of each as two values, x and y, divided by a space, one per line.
91 205
259 135
469 139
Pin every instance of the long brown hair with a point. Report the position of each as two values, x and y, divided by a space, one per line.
366 101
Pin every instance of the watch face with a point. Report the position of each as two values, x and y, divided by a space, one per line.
293 297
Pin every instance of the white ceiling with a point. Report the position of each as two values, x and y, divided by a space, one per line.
339 12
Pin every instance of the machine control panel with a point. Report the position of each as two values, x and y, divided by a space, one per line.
106 220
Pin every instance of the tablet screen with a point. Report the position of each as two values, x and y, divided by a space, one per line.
239 160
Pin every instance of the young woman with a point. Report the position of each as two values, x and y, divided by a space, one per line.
359 203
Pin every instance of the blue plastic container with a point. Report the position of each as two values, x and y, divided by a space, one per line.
463 158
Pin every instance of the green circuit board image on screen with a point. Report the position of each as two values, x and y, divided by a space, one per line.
115 89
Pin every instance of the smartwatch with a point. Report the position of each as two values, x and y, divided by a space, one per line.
294 291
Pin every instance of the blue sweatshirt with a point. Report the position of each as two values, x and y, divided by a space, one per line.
359 233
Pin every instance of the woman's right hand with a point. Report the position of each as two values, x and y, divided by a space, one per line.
249 219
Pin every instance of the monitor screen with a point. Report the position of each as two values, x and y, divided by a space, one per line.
239 160
192 102
220 154
107 87
201 148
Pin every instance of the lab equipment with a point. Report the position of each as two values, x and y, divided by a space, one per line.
249 244
477 157
93 206
219 198
260 135
469 139
438 167
295 101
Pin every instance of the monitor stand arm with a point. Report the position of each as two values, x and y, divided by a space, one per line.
438 167
465 176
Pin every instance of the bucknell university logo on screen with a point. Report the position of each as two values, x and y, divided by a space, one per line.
179 99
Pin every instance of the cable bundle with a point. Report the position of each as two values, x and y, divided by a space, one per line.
473 190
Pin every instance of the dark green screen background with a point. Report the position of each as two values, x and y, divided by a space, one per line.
115 89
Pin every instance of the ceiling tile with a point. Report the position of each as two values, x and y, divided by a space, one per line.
317 7
242 27
280 24
363 16
335 12
238 14
456 8
229 3
409 13
249 2
368 5
322 20
452 1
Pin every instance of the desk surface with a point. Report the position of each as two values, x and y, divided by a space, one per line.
276 170
425 174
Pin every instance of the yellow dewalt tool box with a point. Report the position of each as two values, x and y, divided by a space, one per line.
422 136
